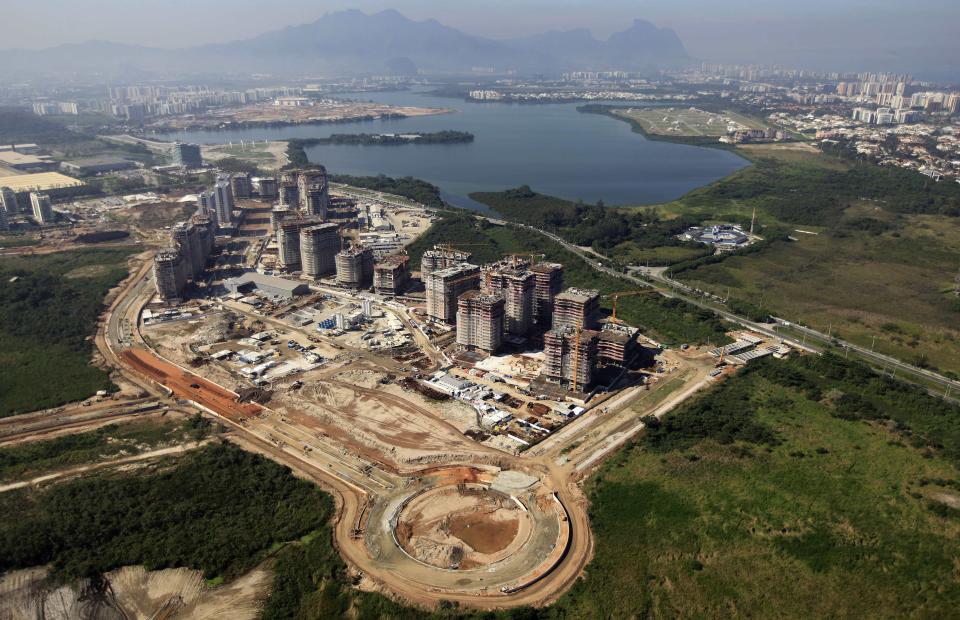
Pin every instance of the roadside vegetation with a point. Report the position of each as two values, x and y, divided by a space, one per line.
108 442
670 320
48 311
420 191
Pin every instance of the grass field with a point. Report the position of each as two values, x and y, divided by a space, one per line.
686 122
832 518
874 276
48 310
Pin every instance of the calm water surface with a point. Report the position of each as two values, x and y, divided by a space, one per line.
552 148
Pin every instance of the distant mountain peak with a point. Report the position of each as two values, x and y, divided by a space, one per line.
352 41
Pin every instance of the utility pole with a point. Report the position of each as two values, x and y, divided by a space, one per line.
873 342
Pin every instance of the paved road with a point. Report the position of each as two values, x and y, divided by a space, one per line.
818 340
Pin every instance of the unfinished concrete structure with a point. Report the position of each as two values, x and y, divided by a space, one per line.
576 307
277 215
515 284
313 191
392 274
480 321
570 356
445 286
289 191
319 245
549 283
241 186
441 257
618 344
185 260
168 274
288 240
355 267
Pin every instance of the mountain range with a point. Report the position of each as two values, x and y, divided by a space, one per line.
355 42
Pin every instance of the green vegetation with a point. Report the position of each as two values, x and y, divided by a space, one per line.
111 441
218 509
619 233
20 125
379 139
761 498
18 241
682 125
670 320
48 310
420 191
779 492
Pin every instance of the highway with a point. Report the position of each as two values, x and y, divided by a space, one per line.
814 341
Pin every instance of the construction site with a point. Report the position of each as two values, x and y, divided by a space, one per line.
452 408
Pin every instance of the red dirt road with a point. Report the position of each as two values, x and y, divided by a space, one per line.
181 383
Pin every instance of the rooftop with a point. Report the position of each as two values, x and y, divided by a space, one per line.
581 295
41 181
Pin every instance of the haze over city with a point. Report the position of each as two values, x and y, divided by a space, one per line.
494 310
850 35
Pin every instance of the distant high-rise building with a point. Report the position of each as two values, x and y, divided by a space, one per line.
4 222
8 201
42 210
480 321
207 205
288 191
187 155
223 202
355 267
319 246
313 191
168 274
444 286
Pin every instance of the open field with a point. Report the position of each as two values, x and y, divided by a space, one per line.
827 517
687 122
47 318
873 271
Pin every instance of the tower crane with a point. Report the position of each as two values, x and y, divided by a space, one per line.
616 296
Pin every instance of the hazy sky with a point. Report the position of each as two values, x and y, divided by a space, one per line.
846 34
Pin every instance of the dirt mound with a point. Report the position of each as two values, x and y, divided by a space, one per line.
462 526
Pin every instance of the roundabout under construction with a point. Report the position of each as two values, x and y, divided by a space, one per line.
424 510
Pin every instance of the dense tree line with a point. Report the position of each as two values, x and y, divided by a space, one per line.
48 311
850 388
408 187
219 509
817 196
596 225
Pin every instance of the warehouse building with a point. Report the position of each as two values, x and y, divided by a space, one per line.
266 286
97 165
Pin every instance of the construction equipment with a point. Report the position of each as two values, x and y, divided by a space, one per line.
616 296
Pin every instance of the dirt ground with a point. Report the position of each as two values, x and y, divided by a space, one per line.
137 593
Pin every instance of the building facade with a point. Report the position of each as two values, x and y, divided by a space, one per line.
444 287
480 321
319 245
